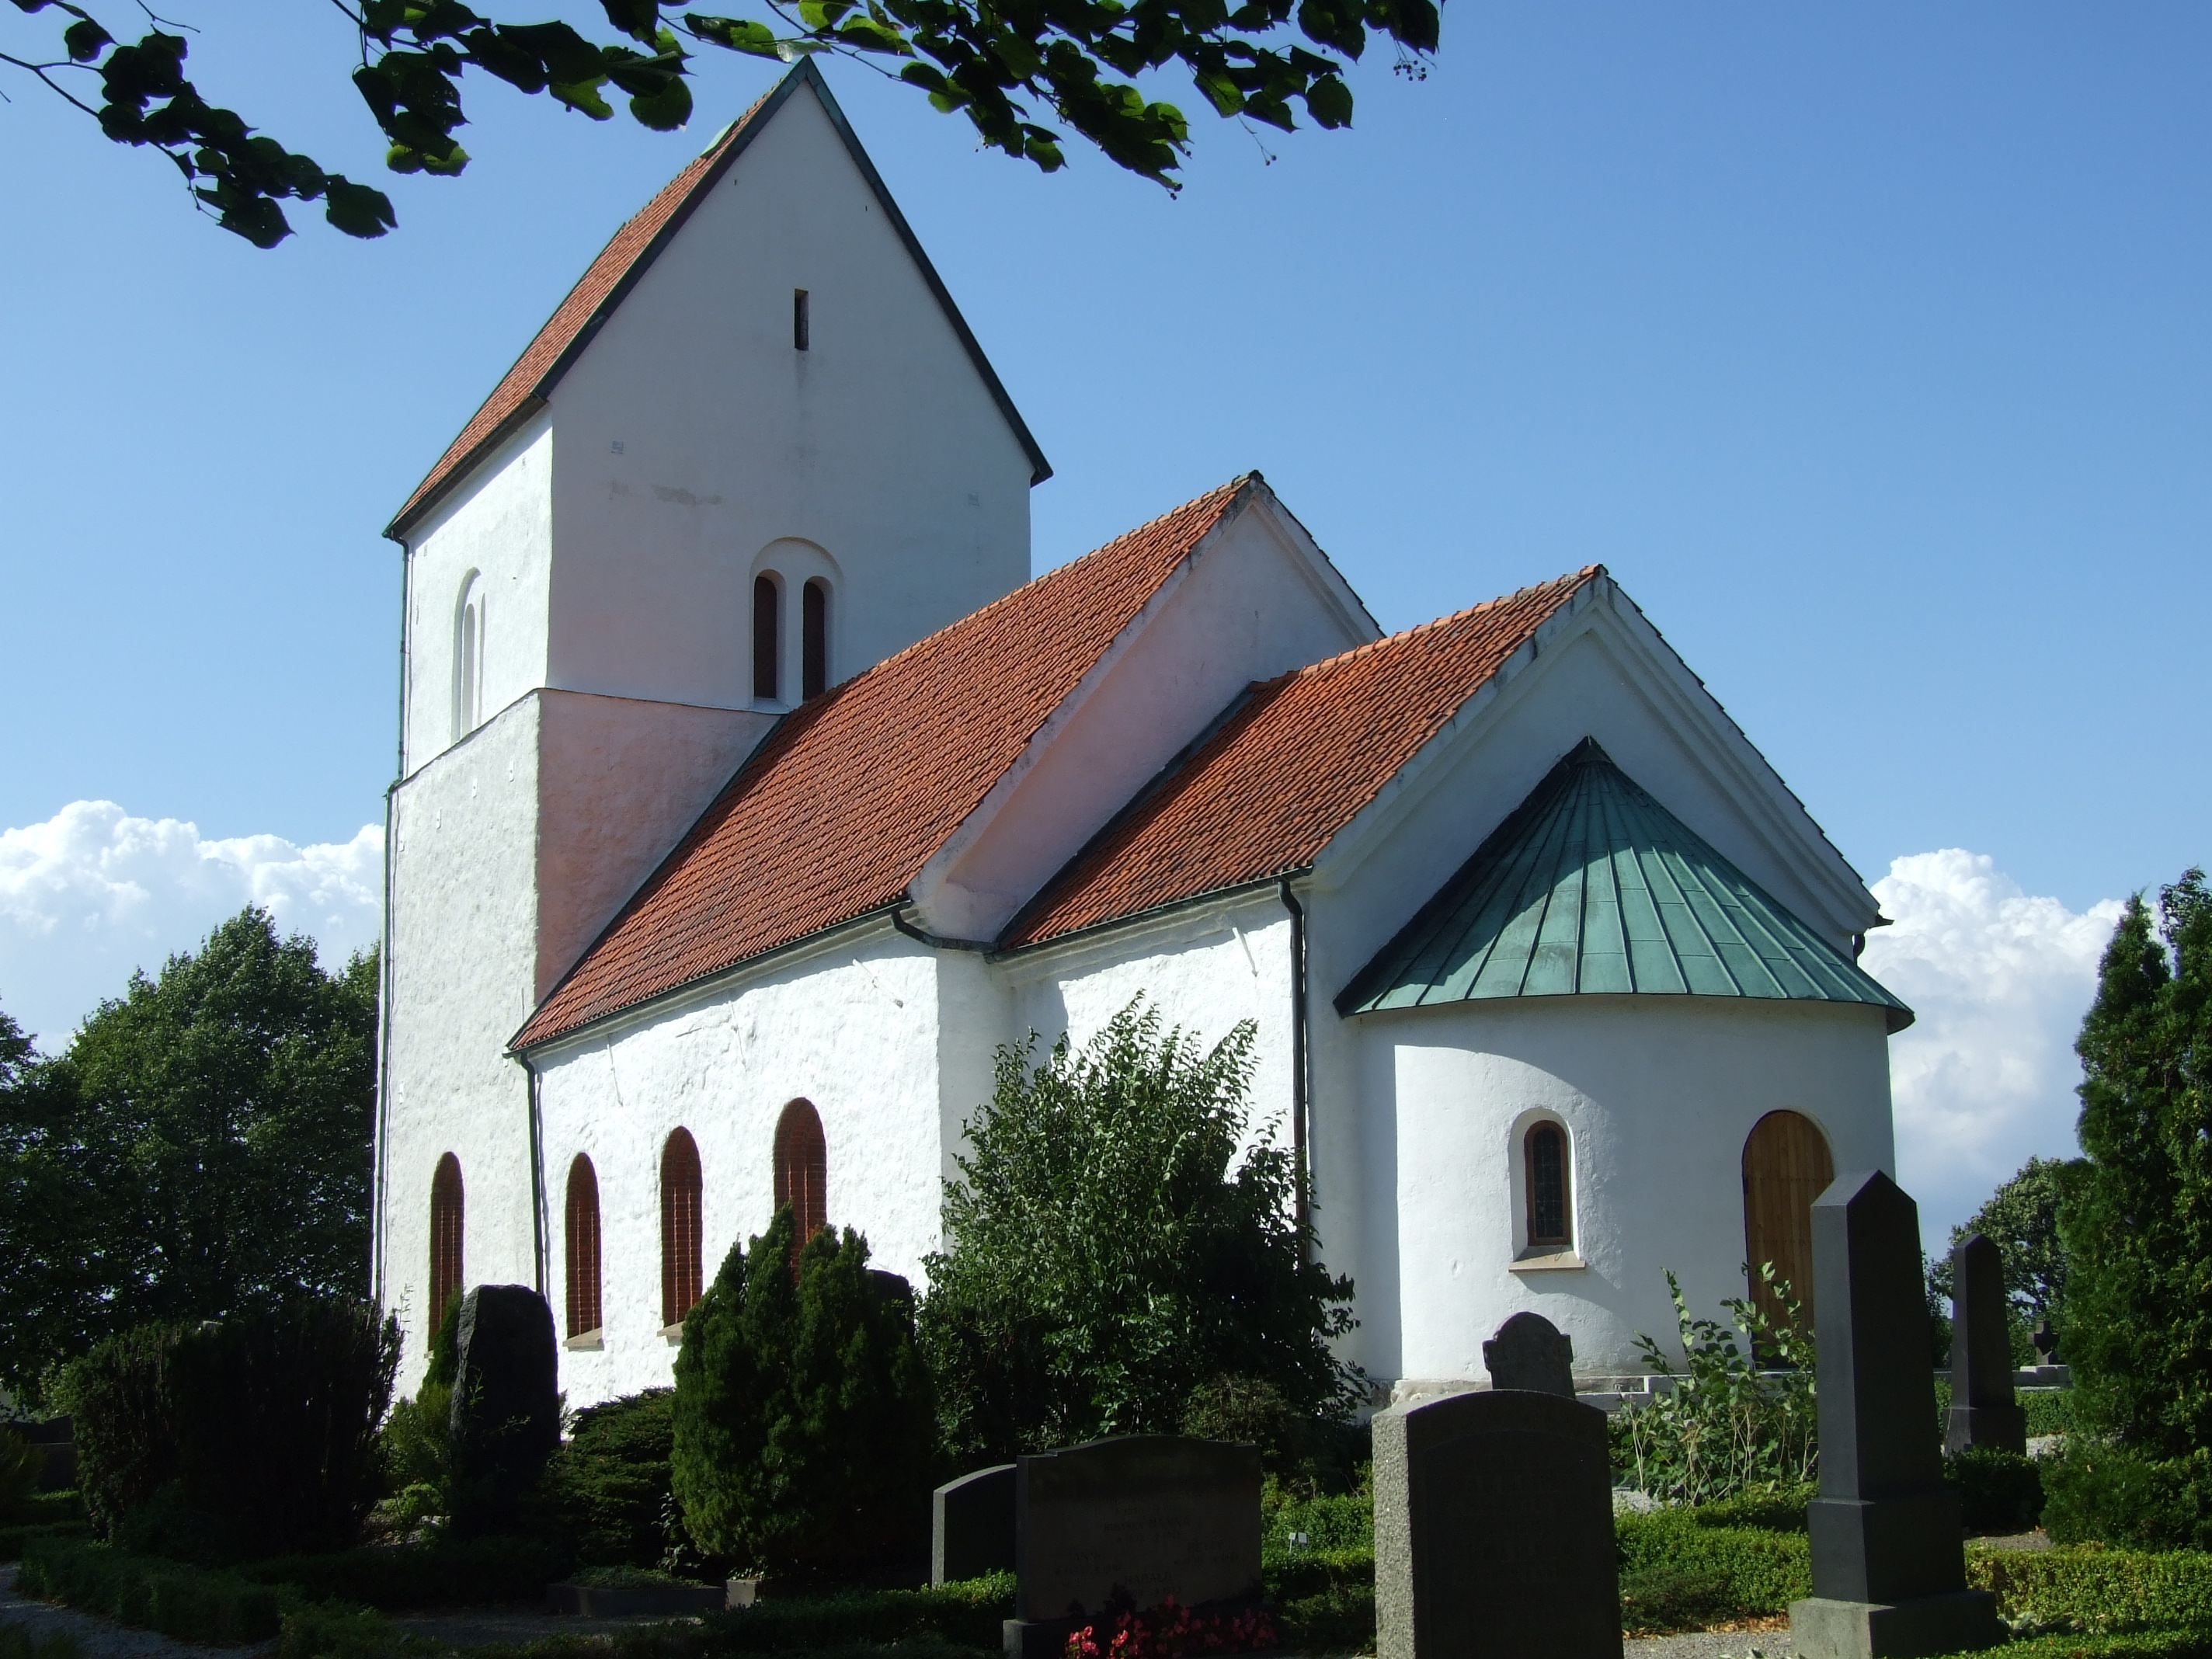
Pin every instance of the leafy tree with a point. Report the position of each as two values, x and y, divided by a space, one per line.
1107 1255
995 62
200 1149
2138 1230
802 1438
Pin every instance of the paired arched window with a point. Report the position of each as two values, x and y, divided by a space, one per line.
445 1215
1547 1198
583 1248
1786 1165
768 604
814 638
468 658
802 1169
683 1269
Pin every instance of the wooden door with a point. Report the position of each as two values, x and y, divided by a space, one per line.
1786 1166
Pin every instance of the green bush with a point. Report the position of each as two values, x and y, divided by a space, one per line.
1331 1523
254 1433
1780 1508
2050 1411
330 1630
1999 1491
444 1573
804 1426
1324 1599
607 1490
1116 1245
191 1603
968 1615
19 1641
2098 1492
14 1540
1679 1574
2098 1591
1730 1424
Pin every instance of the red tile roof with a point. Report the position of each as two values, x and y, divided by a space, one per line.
525 387
1289 768
853 791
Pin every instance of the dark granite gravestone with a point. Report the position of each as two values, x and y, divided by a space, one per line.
1136 1520
1530 1352
971 1526
506 1417
1493 1529
1889 1573
1983 1412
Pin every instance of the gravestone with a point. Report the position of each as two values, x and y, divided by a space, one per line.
1133 1520
506 1417
1530 1352
1889 1573
971 1526
1983 1412
1493 1529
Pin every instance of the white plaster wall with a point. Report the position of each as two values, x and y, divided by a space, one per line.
1658 1094
622 782
498 524
880 444
852 1027
462 940
1205 968
1255 599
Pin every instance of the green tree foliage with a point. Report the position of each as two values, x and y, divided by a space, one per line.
1107 1253
803 1423
996 63
200 1150
2138 1230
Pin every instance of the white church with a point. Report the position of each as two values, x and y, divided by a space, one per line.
752 795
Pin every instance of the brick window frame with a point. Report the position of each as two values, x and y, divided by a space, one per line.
682 1194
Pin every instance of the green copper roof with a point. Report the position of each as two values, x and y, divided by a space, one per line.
1593 887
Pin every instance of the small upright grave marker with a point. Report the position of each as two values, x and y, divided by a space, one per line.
1530 1352
1493 1516
1983 1411
971 1526
1889 1573
1137 1519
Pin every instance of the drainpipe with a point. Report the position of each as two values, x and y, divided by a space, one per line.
381 1152
1301 1066
537 1178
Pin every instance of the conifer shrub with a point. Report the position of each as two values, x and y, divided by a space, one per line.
607 1490
236 1438
803 1432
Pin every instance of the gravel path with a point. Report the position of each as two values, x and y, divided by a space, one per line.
1712 1644
97 1639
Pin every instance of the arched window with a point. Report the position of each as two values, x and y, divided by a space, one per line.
1544 1160
767 595
683 1275
583 1248
814 638
1786 1165
468 658
802 1169
445 1205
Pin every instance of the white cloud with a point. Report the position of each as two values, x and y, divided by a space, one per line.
93 893
2000 979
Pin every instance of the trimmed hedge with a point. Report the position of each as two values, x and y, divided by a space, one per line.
405 1575
2146 1645
969 1615
190 1603
15 1539
1680 1572
2098 1591
16 1642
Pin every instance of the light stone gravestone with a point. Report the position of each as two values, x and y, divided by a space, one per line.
1983 1410
1530 1352
1493 1529
1888 1569
971 1526
1139 1518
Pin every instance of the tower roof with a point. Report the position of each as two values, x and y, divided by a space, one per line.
1591 886
524 388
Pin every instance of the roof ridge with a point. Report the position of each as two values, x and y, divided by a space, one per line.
1576 577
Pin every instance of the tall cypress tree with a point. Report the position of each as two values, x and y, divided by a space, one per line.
2138 1228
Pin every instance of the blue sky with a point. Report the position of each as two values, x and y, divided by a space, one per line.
1867 346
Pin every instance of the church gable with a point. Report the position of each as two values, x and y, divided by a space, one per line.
529 384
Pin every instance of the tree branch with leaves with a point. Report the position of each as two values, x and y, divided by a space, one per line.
1008 66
